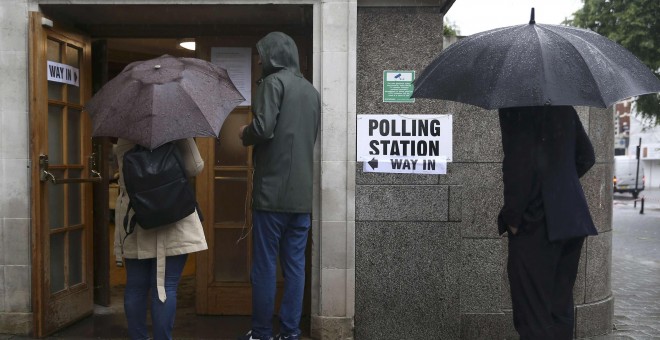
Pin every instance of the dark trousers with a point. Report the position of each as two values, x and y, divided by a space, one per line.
541 276
141 290
273 234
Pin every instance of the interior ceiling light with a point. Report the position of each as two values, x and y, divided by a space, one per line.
188 44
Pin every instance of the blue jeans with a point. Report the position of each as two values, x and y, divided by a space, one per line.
272 234
140 279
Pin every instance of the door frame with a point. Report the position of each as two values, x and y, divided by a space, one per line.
38 102
333 222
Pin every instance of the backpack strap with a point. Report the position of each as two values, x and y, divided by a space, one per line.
129 226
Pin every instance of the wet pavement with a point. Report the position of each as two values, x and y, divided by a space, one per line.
109 322
635 285
636 267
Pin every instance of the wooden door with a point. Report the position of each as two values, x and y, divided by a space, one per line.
62 177
224 191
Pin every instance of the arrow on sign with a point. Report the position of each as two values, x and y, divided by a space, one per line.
373 163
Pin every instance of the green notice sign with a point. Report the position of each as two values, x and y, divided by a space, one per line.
398 86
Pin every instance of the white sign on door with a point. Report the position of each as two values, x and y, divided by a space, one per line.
404 143
62 73
238 63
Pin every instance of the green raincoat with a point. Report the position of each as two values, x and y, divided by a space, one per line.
287 111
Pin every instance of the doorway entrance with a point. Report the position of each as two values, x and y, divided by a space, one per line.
114 36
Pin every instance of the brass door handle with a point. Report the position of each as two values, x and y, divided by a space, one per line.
45 175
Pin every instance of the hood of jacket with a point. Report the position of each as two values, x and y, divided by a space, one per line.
278 51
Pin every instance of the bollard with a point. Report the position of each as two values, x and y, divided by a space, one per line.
641 210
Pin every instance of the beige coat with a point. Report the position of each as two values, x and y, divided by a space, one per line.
182 237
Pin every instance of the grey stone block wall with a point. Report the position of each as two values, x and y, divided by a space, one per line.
429 260
15 276
400 258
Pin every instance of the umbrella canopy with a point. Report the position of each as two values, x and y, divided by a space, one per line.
534 65
164 99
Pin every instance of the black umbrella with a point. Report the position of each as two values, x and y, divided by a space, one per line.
159 100
534 65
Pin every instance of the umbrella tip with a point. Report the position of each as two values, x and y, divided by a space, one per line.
531 18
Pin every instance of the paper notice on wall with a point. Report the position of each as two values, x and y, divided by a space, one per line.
238 63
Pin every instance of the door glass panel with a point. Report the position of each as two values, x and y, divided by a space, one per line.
55 126
75 202
73 136
75 257
54 53
230 195
228 149
55 90
230 262
57 262
56 202
73 59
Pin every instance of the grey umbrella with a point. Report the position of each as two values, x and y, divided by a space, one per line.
534 65
156 101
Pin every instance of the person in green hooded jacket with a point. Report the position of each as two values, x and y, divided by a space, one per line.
286 114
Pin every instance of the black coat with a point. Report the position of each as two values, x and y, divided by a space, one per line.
545 149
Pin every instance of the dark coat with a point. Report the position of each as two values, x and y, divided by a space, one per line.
287 112
546 145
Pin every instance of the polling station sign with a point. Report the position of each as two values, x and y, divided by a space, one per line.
404 143
62 73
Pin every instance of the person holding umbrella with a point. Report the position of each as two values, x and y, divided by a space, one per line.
546 214
533 74
150 104
283 131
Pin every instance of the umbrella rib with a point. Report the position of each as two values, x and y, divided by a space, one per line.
549 29
542 54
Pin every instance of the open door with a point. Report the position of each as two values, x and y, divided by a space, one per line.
62 176
224 192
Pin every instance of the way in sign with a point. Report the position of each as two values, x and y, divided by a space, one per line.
430 166
60 72
411 164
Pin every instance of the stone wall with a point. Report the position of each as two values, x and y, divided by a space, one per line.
429 261
15 303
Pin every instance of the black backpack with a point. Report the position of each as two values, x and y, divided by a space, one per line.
157 187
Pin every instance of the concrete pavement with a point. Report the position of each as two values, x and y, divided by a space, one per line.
636 267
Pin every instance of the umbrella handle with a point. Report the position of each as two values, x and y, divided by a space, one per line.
531 18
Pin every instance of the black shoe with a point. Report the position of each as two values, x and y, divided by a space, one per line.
249 336
287 337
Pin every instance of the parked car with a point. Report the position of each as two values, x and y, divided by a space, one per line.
625 173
